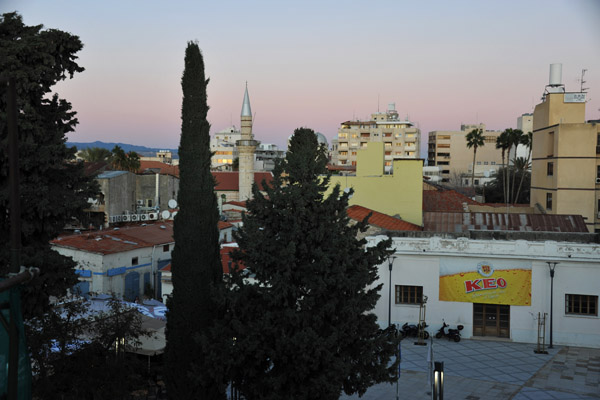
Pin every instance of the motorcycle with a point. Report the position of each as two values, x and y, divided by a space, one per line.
452 334
412 330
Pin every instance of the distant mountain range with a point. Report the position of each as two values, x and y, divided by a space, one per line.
141 150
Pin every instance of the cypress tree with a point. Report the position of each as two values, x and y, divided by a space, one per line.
196 266
303 325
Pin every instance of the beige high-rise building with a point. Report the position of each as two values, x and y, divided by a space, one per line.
565 177
246 147
400 137
449 151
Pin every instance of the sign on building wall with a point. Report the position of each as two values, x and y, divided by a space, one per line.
485 281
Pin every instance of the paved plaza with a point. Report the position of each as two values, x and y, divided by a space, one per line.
490 369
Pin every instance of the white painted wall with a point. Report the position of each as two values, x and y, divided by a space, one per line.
99 264
418 263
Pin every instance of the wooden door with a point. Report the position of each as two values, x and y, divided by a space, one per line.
491 320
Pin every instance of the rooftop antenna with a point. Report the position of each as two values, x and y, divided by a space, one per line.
377 102
582 81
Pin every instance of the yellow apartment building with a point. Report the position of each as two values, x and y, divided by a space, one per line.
397 194
566 164
449 151
399 137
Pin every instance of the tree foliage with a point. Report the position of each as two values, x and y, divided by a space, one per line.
302 324
69 339
53 186
125 161
494 190
196 265
94 154
474 140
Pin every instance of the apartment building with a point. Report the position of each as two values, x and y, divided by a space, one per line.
223 147
565 176
401 138
448 150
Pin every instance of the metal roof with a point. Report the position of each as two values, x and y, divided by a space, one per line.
480 221
111 174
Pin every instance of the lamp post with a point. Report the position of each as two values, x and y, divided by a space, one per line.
551 267
391 264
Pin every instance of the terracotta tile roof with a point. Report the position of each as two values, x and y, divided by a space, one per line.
116 241
482 221
237 203
226 181
166 169
224 225
226 257
229 181
95 167
166 268
445 200
358 213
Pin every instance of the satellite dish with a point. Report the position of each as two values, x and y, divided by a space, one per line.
172 203
165 214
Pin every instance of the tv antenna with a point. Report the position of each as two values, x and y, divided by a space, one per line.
582 81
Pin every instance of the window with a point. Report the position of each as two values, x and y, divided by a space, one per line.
493 162
478 162
165 248
485 163
549 201
597 171
477 181
409 294
581 304
134 261
550 169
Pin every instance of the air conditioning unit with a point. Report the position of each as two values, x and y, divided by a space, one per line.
153 216
125 218
598 181
113 219
118 218
144 217
135 217
140 202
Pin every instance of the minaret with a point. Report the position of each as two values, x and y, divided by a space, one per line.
246 147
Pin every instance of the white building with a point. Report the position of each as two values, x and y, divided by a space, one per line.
123 262
495 287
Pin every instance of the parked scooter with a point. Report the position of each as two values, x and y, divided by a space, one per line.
452 334
412 330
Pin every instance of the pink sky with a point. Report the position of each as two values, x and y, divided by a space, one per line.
318 63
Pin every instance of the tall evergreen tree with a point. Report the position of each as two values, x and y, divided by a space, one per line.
303 325
196 266
53 186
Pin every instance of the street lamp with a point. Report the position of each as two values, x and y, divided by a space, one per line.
551 267
391 264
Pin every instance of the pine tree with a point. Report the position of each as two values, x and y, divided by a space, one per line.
303 324
196 266
53 186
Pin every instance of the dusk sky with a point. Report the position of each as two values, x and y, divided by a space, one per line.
318 63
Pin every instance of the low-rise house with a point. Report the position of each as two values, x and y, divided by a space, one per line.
123 261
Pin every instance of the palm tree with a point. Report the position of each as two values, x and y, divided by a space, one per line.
119 158
474 140
502 144
514 139
133 161
93 154
526 140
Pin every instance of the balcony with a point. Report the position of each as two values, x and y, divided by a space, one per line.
411 139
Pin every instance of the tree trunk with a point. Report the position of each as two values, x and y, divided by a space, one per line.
473 174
